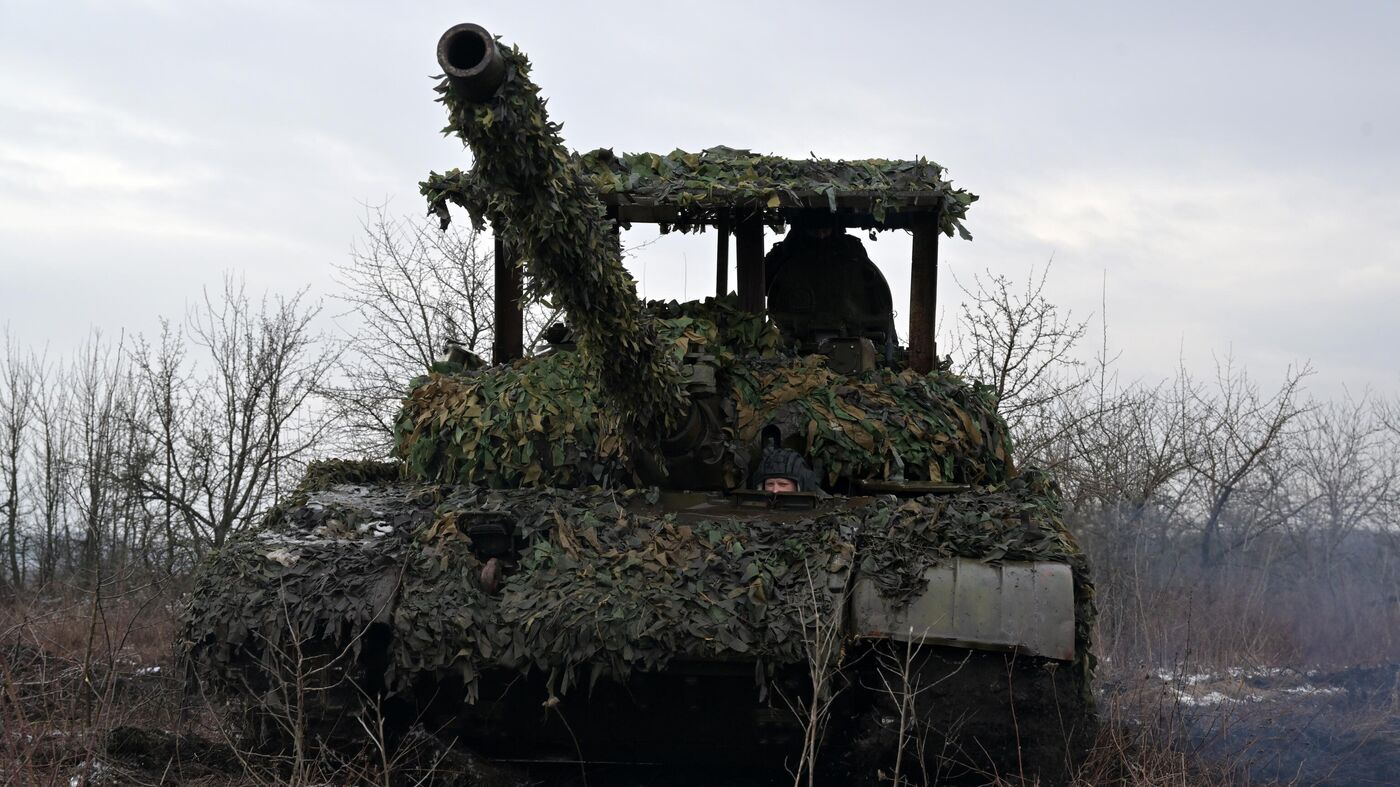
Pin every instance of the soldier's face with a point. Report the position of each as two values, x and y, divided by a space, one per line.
779 485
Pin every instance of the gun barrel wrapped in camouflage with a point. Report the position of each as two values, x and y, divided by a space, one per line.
530 189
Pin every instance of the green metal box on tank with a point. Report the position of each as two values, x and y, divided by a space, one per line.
570 555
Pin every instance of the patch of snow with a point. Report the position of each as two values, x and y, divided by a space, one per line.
376 529
1308 688
1228 686
1209 698
284 556
151 670
1214 698
1256 672
92 775
319 537
1168 676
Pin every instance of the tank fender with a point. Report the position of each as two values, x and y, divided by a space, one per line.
1026 607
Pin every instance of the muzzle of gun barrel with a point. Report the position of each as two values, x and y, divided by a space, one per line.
471 60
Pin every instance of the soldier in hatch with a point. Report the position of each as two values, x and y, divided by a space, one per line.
784 470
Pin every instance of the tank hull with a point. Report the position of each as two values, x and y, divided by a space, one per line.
639 626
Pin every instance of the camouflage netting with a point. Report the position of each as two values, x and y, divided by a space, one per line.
532 424
608 583
723 181
525 183
544 422
322 475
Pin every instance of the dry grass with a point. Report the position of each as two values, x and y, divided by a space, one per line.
73 667
90 694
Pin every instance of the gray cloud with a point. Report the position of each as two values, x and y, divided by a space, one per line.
1227 169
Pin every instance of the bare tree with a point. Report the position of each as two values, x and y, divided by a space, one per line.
1123 465
1014 339
408 289
16 405
227 429
1344 473
167 397
1230 430
51 469
97 381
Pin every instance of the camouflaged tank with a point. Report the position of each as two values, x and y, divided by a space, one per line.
569 557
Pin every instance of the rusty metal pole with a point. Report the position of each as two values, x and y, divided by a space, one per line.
923 295
722 258
748 254
509 342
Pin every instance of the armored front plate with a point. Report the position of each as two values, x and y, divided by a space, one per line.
1027 607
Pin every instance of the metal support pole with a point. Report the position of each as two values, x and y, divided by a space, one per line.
509 342
748 253
722 258
923 295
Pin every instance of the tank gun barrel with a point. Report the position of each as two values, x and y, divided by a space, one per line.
471 61
529 187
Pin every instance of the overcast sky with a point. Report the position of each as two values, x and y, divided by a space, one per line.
1229 171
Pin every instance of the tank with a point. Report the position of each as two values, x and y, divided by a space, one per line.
571 555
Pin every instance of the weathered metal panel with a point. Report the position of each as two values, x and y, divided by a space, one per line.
1027 607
